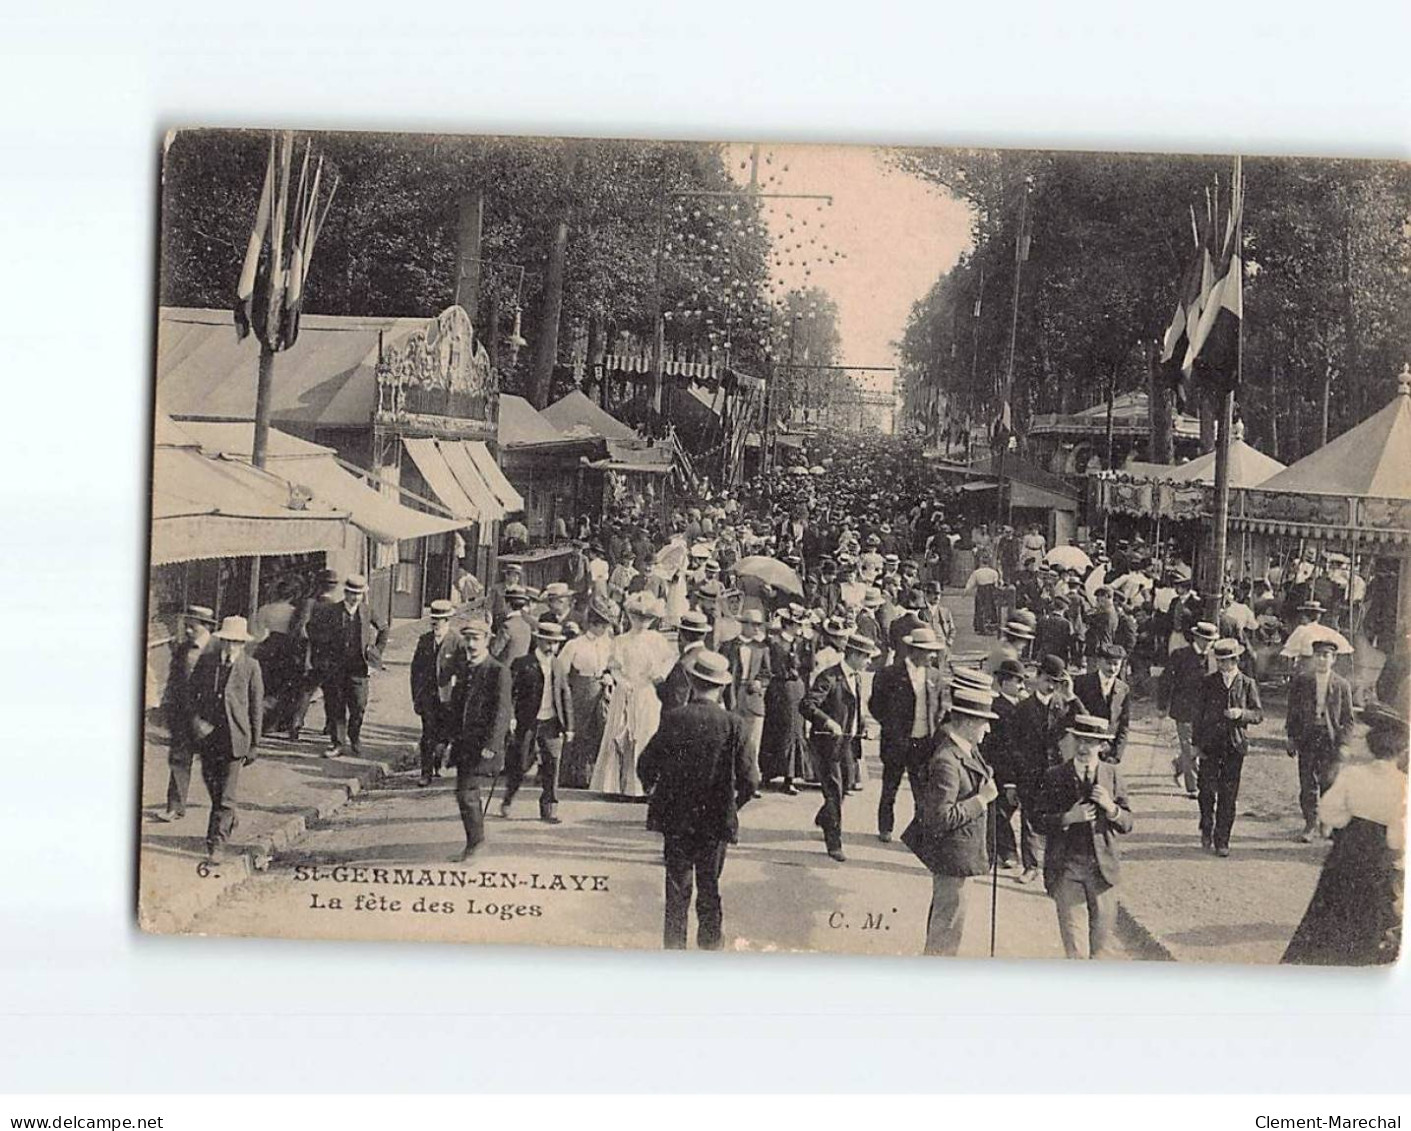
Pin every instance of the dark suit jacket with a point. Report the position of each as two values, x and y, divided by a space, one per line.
435 668
1036 732
1178 691
1211 732
1117 710
178 698
484 713
999 745
675 689
237 710
1053 637
747 696
1102 627
948 832
1061 790
893 704
831 697
328 654
1306 730
698 772
527 692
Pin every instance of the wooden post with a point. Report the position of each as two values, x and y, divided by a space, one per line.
547 347
259 451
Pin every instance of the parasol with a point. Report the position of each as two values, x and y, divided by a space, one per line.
817 471
1068 557
798 469
1094 581
1300 641
772 572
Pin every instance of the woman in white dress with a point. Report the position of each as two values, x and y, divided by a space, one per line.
641 658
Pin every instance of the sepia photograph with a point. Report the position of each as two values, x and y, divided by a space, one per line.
893 551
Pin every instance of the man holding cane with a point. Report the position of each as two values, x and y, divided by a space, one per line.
483 709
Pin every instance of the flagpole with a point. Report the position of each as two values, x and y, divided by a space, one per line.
1020 254
1220 526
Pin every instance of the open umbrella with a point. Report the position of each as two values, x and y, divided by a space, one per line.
798 469
817 471
771 571
1094 581
1068 557
1300 641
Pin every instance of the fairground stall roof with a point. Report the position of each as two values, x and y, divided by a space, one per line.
1355 488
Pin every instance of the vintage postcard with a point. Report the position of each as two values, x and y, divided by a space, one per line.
779 548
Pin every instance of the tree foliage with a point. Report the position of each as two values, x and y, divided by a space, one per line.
1326 290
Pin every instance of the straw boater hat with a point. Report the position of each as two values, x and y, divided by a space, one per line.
1092 727
836 627
200 613
707 667
872 599
972 701
925 639
234 629
1206 631
1018 630
355 583
556 589
971 678
1312 607
694 623
859 642
1227 649
442 610
549 630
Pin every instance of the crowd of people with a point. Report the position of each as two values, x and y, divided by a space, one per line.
753 640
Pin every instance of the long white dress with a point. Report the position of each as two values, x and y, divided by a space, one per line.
640 660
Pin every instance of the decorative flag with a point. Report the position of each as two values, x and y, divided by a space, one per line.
1212 355
270 292
1195 286
250 270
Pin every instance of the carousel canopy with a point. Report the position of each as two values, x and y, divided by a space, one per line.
1372 460
1249 467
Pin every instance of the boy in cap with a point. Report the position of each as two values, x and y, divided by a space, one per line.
1318 727
1082 807
543 720
483 718
948 832
1228 705
437 668
699 774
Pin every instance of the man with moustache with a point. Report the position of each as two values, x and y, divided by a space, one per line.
436 670
483 710
908 700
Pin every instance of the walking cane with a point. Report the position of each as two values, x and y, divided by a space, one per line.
994 874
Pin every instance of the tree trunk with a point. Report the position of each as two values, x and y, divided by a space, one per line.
1209 413
1274 412
1162 446
546 349
1327 397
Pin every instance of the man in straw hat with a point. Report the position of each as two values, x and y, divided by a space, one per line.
948 831
437 669
692 633
483 723
1083 808
179 707
833 708
228 721
1227 707
699 774
543 720
345 641
908 700
748 655
1318 727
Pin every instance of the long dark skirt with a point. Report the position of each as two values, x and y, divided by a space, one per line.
1351 919
783 748
589 712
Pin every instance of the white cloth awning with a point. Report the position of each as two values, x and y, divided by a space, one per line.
458 459
500 486
381 518
426 453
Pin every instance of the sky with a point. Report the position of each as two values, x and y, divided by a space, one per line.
898 235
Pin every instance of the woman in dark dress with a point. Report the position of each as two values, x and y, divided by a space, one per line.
783 746
1354 918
